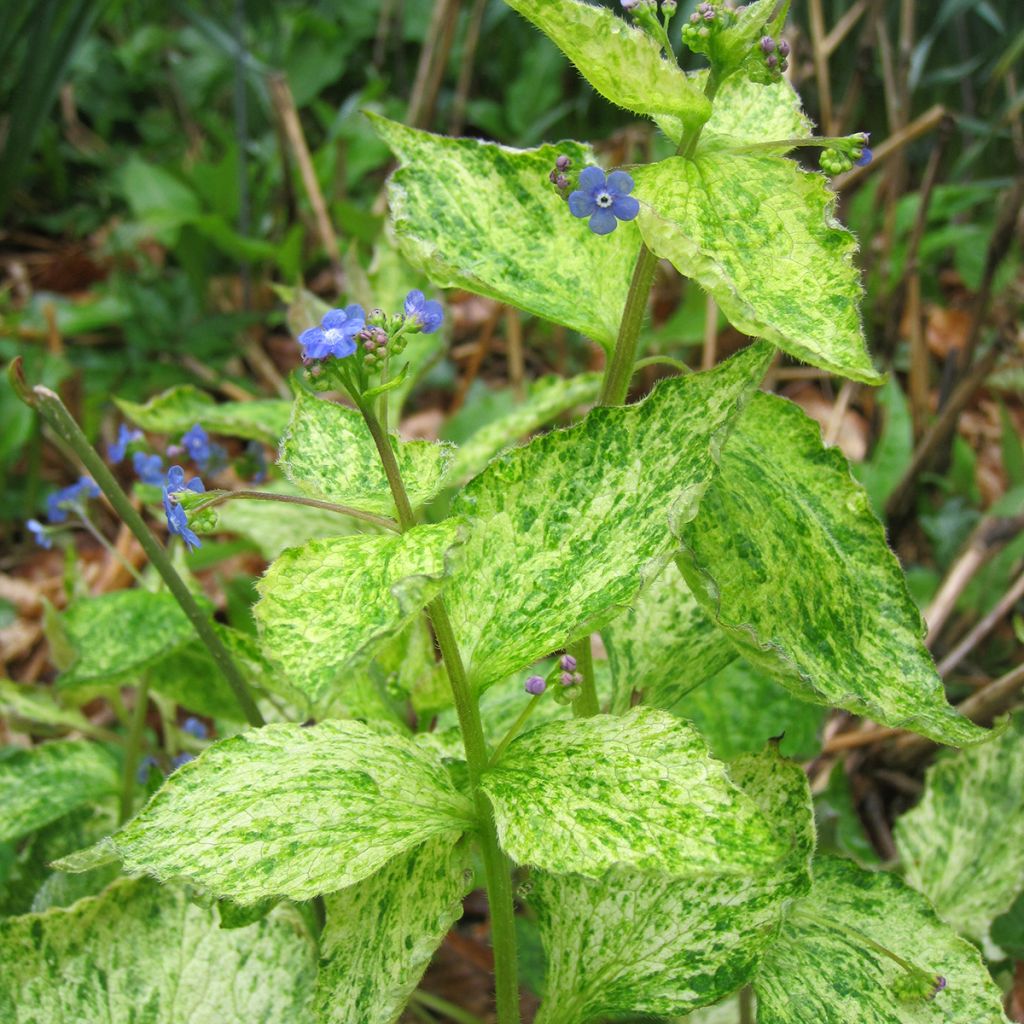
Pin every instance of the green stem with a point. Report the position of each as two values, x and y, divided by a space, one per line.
497 871
676 364
514 729
587 704
443 1007
131 752
295 499
110 549
52 409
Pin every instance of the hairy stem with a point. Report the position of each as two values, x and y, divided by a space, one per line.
497 871
514 729
295 499
131 750
48 404
83 517
587 704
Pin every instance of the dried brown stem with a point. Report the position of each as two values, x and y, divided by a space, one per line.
983 628
821 74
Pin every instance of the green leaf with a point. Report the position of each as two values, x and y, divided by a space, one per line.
638 790
759 234
143 952
621 61
381 934
640 943
569 527
290 811
175 410
499 228
747 113
43 783
891 456
823 969
741 708
36 705
840 828
963 844
121 634
548 397
663 645
328 453
325 607
794 567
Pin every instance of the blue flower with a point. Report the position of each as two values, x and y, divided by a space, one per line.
177 518
196 442
605 201
117 451
424 315
865 157
58 502
177 762
142 773
42 536
195 727
336 334
148 468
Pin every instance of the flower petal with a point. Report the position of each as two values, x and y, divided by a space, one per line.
581 204
333 320
356 312
591 178
620 182
625 207
603 222
313 341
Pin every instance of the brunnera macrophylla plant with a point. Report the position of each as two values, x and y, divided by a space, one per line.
314 859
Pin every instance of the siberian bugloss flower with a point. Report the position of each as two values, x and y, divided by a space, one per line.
196 442
40 533
423 315
148 468
177 518
336 335
194 727
535 685
605 200
57 503
117 451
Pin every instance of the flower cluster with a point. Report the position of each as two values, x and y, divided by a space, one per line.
604 199
59 503
119 449
558 175
177 517
776 53
842 154
565 674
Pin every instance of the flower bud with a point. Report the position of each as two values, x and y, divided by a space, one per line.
535 685
783 48
568 663
767 44
563 163
377 318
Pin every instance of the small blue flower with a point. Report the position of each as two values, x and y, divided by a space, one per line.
148 468
336 334
41 534
426 316
258 458
865 157
605 201
195 727
177 762
58 502
196 442
117 451
142 774
177 518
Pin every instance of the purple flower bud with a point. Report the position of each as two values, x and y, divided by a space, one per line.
535 685
553 176
772 61
563 163
567 679
562 182
783 48
767 44
940 984
568 663
629 5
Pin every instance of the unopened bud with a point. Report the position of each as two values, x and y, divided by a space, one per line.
783 48
377 318
568 663
772 61
535 685
563 163
767 44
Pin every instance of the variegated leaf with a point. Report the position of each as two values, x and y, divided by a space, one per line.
759 235
829 964
645 943
788 558
289 811
621 61
480 216
144 952
569 527
638 791
664 645
380 934
328 453
326 606
963 844
43 783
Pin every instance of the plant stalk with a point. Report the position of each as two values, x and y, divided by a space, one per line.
131 750
296 499
497 872
587 704
48 404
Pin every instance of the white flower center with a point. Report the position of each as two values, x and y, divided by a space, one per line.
603 200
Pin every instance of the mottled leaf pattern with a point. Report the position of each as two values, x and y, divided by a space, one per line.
638 790
621 61
480 216
787 556
140 952
642 943
42 783
963 844
758 233
663 645
121 634
747 113
290 811
328 453
381 933
37 706
821 969
741 708
570 526
325 606
175 410
548 397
